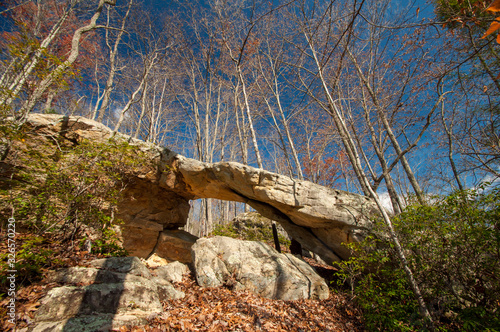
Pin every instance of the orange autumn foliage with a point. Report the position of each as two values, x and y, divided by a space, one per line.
495 25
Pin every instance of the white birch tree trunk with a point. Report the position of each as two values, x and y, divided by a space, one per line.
113 52
58 71
365 183
249 118
14 87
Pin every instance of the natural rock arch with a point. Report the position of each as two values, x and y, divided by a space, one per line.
320 218
156 204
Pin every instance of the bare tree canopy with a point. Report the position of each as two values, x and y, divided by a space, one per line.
391 99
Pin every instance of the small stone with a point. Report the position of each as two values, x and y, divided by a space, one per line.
155 261
173 272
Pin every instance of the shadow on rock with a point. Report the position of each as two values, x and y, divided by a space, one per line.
113 292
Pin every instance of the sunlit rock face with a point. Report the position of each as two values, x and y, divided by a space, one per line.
320 218
256 267
145 209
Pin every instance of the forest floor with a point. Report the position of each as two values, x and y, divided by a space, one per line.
203 309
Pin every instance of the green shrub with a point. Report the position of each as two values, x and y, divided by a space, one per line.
258 232
379 286
225 230
453 248
58 187
106 245
32 256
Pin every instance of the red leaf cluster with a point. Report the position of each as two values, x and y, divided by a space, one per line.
32 23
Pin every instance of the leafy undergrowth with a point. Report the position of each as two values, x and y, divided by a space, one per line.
210 309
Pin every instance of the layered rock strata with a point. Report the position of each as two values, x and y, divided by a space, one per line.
320 218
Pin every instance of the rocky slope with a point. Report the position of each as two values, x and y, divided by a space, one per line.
122 293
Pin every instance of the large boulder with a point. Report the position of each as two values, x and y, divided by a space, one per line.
111 293
256 267
173 272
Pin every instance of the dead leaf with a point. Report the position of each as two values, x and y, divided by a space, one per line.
32 306
494 7
495 25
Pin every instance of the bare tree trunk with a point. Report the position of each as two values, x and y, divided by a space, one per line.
282 140
75 47
242 136
208 216
295 155
391 189
249 118
112 66
274 87
449 136
152 116
342 128
15 86
143 110
155 113
140 89
132 100
241 81
356 163
406 166
100 96
48 102
207 156
424 312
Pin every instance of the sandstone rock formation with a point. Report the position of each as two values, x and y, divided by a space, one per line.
112 293
255 266
175 245
319 218
146 209
121 291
